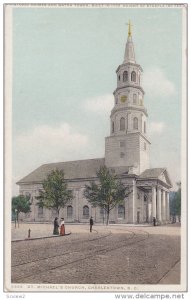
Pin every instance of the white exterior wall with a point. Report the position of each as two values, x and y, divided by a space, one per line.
77 204
113 150
144 154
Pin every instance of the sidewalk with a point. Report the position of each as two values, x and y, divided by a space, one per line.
44 230
36 231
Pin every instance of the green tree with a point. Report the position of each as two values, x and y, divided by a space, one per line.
55 193
108 193
20 204
176 203
178 200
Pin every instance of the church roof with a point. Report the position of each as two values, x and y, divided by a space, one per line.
72 169
156 173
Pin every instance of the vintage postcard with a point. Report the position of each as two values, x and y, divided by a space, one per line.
95 148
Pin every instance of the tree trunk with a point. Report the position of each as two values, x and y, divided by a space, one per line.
18 218
107 217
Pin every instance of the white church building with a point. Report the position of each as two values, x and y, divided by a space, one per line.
126 155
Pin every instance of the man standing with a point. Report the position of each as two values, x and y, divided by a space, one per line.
91 224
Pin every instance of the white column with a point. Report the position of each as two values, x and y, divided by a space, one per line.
159 216
154 202
149 212
134 202
163 206
167 207
126 210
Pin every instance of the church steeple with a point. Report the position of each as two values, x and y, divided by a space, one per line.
129 56
128 144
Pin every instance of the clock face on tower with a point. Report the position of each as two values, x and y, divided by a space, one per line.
123 99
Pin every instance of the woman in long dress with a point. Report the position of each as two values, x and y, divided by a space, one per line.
62 227
56 226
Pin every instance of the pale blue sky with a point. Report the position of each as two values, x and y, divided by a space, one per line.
64 61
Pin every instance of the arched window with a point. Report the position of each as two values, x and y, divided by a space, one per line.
122 123
119 77
69 211
102 211
135 123
113 127
134 98
144 127
54 212
125 76
133 76
121 212
86 212
40 211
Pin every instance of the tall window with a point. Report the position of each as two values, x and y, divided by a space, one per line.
125 76
133 76
144 127
102 211
86 212
121 212
40 211
113 127
54 212
27 215
134 98
69 211
122 124
135 123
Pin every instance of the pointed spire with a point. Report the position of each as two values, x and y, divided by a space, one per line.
129 49
129 28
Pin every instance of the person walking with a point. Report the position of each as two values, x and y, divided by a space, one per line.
62 227
91 224
154 221
56 226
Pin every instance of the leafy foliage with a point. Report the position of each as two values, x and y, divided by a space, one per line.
175 207
20 204
55 193
108 193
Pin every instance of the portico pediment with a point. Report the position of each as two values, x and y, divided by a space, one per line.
164 177
156 174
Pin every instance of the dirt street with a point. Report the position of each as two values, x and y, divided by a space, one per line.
108 255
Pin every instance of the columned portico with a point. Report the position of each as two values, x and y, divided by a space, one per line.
159 215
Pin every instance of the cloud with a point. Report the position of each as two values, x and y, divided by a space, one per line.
157 84
46 144
100 104
52 141
156 127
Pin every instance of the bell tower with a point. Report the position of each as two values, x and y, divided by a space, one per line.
128 145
